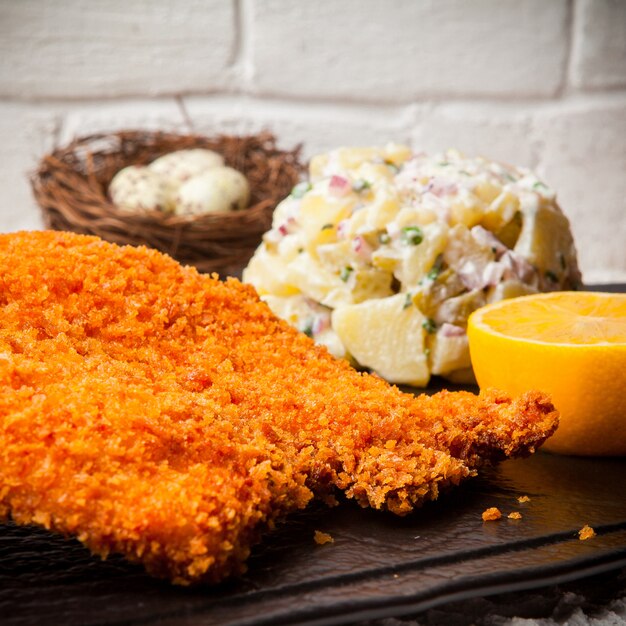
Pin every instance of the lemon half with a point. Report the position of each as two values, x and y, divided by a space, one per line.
571 345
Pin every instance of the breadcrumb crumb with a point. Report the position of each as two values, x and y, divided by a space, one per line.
491 514
322 538
523 499
514 515
586 532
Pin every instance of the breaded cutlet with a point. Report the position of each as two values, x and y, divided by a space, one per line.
155 412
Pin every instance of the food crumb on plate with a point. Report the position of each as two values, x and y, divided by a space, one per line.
586 532
322 538
491 514
523 499
514 515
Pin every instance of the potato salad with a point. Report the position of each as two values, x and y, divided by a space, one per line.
382 254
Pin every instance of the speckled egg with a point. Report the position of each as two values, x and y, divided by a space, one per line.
137 189
220 189
183 164
178 167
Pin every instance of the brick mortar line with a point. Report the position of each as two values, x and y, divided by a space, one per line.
573 16
568 96
246 25
238 43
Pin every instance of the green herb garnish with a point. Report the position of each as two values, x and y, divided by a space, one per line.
539 185
429 326
436 268
300 189
307 329
384 238
345 273
327 226
392 166
434 272
408 300
361 185
412 235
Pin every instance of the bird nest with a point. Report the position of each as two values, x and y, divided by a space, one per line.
70 185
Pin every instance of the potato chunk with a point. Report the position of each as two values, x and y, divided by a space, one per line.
386 336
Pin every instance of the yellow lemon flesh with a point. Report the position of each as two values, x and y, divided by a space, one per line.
571 345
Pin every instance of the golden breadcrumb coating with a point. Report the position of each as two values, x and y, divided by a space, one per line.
155 412
586 532
322 538
492 514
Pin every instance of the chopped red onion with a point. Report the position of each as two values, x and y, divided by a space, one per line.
321 323
451 330
286 227
342 227
361 247
517 267
339 186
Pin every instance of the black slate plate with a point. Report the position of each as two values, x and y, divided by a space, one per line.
379 565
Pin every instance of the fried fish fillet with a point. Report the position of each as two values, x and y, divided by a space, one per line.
155 412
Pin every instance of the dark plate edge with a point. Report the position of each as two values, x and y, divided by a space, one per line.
462 589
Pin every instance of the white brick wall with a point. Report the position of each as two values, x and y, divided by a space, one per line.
399 50
599 44
582 154
497 130
111 48
537 83
26 132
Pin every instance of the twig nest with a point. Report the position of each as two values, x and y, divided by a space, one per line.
137 189
220 189
71 185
